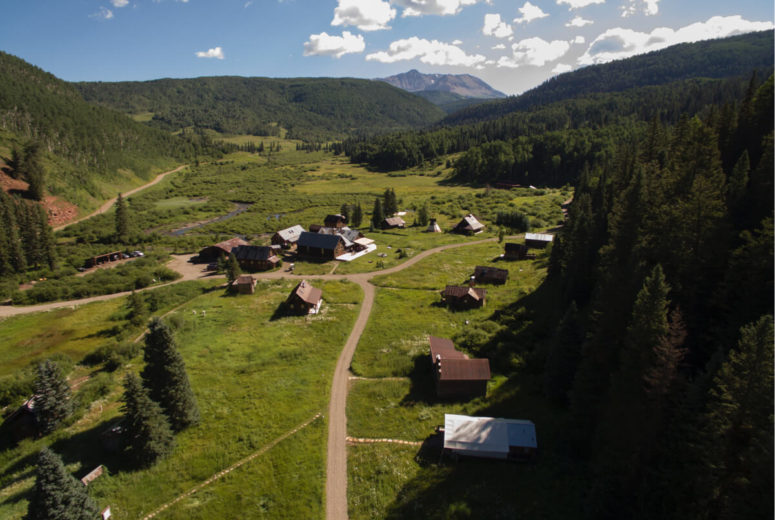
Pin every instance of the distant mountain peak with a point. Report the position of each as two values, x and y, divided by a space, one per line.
464 85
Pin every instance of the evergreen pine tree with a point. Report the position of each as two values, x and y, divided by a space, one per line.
165 377
738 181
52 396
33 171
232 269
122 220
357 215
390 206
376 214
345 211
46 238
146 429
137 309
57 494
423 215
563 358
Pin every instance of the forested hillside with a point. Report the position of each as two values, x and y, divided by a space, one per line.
83 148
550 143
309 108
722 58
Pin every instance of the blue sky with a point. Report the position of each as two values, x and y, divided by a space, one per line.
513 45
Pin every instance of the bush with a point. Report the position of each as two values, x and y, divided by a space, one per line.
113 355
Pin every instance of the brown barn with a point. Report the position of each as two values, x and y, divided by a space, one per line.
256 258
463 296
335 221
305 299
538 240
287 237
484 274
320 246
517 252
392 223
469 225
245 284
456 375
214 252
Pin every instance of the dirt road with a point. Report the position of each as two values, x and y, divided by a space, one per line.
107 205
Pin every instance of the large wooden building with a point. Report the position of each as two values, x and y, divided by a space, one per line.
256 258
320 246
463 296
304 299
455 374
216 251
335 221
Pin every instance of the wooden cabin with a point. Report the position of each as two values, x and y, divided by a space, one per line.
538 240
517 252
393 223
320 246
484 274
288 237
256 258
455 375
216 251
305 299
469 225
245 284
335 221
488 437
463 296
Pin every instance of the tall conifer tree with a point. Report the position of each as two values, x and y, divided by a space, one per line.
122 219
52 396
165 377
147 430
57 494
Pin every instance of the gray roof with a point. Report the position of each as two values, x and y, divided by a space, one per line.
253 253
470 222
487 434
319 240
291 234
542 237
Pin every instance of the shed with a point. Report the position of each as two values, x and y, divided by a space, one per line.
287 237
463 296
335 221
245 284
484 274
456 375
255 258
392 223
433 227
305 299
488 437
538 240
469 225
517 252
103 259
215 251
320 246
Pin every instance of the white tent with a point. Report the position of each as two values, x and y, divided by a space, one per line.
433 227
488 437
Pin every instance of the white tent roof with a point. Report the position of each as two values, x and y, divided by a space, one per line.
539 236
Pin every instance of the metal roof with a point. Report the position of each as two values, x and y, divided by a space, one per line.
543 237
291 234
308 293
457 291
491 272
445 348
263 253
487 434
450 369
319 240
394 221
470 222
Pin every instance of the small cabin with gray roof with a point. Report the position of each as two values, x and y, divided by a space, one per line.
489 437
470 225
287 238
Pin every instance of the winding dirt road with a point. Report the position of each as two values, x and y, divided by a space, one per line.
336 463
107 205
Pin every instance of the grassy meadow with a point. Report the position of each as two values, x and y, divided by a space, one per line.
256 375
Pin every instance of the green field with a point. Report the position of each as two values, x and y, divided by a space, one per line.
256 375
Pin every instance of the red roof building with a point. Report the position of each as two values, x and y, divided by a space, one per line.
455 374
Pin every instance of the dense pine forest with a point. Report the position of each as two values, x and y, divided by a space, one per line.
312 109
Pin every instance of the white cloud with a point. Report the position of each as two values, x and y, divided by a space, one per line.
529 13
366 15
534 51
578 40
437 7
498 47
215 52
103 14
248 4
648 7
119 3
493 26
578 4
457 42
560 68
578 22
619 43
431 52
324 45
